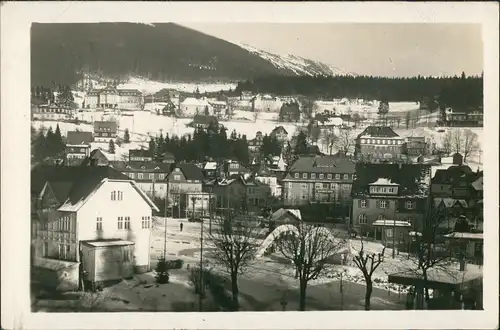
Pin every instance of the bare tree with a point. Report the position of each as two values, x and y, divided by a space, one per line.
407 120
471 143
308 248
428 253
345 140
329 138
368 264
234 242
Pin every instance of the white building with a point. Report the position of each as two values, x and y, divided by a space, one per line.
75 204
111 97
192 106
267 103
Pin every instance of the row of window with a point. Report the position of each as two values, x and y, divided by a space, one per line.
116 195
151 176
381 141
363 219
322 185
321 176
124 223
76 149
383 204
61 224
382 189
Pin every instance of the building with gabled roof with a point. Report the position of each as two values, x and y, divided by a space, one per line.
389 199
104 131
74 204
378 144
326 179
77 146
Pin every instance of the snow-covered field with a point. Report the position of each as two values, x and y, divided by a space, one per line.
150 86
368 111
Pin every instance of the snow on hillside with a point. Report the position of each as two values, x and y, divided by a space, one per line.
297 64
150 86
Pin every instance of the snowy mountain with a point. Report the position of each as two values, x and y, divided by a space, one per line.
163 52
296 64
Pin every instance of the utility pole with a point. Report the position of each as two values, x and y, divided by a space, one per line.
165 223
202 289
394 233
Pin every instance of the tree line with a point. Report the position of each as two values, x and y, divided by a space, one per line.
46 94
463 91
46 145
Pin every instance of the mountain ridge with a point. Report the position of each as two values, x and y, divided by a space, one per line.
159 51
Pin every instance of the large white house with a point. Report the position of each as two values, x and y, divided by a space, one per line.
72 205
192 106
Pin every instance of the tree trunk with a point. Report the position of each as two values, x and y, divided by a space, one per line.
368 294
234 289
302 302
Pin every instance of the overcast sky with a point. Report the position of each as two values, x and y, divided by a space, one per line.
374 49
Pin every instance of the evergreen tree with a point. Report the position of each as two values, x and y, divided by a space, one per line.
50 142
40 147
58 141
301 146
126 136
111 147
152 145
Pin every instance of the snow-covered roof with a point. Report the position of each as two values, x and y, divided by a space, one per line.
195 102
210 166
105 243
391 223
457 235
384 181
334 121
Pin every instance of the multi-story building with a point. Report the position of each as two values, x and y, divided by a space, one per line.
184 178
241 192
53 112
150 177
264 174
460 191
111 97
255 144
463 118
266 103
290 112
139 155
318 179
378 144
105 131
77 146
389 200
202 121
415 146
72 205
280 134
231 167
192 106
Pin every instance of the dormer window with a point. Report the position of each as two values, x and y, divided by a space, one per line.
346 176
409 205
337 176
329 176
297 175
313 176
321 176
304 175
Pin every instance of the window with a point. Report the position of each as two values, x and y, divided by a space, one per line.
363 141
140 176
113 195
383 204
391 190
321 176
384 189
132 175
363 203
303 196
297 175
98 225
333 186
145 222
120 195
346 176
304 175
161 176
410 220
381 217
362 219
151 176
388 232
313 176
177 177
303 186
409 205
127 222
45 249
120 222
337 176
127 254
329 176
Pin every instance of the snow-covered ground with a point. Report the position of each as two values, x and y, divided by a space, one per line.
150 86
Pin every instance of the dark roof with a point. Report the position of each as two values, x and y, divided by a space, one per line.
323 164
407 176
105 124
139 153
191 171
262 170
141 166
202 119
95 155
279 128
451 174
77 137
378 131
76 182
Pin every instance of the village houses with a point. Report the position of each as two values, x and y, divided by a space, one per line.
264 174
104 131
192 106
77 146
318 179
378 144
74 205
53 111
